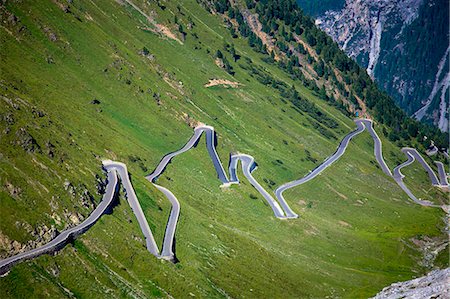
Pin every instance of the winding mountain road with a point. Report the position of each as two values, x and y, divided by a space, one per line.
167 251
398 177
442 174
121 170
68 235
248 166
316 171
279 205
378 147
413 152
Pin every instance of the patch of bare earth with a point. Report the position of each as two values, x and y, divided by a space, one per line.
189 120
344 224
157 28
302 202
307 47
222 82
254 24
162 30
361 103
359 202
313 54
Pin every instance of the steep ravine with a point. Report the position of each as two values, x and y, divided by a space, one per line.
402 44
359 25
375 41
440 85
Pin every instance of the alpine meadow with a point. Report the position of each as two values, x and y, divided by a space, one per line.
207 149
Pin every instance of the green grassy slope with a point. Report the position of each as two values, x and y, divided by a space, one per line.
353 235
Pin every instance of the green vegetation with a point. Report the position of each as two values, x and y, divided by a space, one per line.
291 20
97 80
315 8
410 50
423 44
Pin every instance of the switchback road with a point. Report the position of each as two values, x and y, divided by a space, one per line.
279 205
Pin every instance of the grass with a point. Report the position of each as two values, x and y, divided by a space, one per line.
424 190
354 221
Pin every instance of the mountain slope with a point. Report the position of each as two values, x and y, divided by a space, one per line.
100 79
403 45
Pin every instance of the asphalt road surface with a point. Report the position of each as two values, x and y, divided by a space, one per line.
378 147
122 171
316 171
280 208
248 166
68 235
442 174
167 251
413 152
398 177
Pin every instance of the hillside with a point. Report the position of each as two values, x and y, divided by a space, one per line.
402 44
83 81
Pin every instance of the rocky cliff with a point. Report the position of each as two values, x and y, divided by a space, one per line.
404 47
434 285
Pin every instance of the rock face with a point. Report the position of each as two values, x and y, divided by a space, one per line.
41 234
403 44
85 197
359 25
435 285
27 141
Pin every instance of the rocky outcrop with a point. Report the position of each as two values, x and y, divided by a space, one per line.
430 247
26 141
13 190
100 185
41 235
434 285
50 149
86 199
